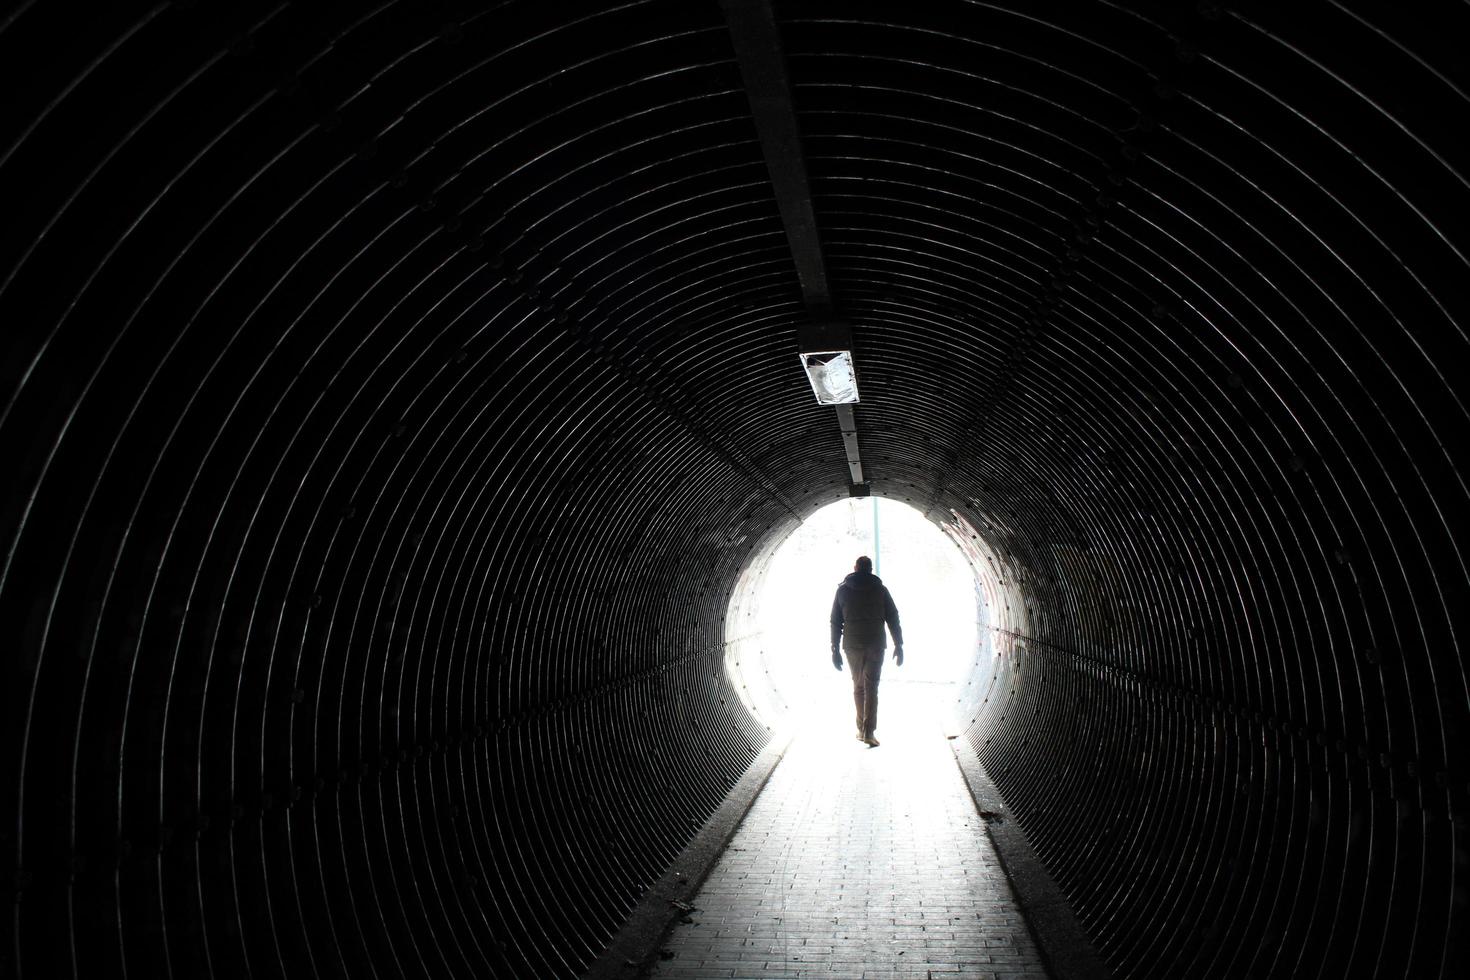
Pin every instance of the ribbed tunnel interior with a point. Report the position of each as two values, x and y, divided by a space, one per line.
393 396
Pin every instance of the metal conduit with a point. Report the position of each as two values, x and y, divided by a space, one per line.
392 397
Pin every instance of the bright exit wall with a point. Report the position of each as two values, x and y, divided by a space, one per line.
778 634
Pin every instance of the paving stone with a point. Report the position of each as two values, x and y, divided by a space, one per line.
857 862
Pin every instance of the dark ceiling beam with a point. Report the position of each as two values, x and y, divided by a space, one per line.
763 68
848 423
757 45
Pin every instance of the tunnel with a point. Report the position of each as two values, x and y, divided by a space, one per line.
395 395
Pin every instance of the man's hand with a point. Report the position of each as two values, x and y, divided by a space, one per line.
836 660
898 655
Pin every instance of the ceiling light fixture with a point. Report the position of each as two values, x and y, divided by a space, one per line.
832 376
826 354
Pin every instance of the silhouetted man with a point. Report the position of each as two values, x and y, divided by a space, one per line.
859 611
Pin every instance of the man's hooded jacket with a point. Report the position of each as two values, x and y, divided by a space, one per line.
860 610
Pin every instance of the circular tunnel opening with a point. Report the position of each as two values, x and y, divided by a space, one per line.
777 626
398 403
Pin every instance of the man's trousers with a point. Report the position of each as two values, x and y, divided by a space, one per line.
866 665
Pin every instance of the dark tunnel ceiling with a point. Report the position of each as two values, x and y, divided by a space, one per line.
393 396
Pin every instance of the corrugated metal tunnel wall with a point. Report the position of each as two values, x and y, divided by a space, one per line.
393 394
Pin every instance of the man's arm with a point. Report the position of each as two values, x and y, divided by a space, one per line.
890 615
836 620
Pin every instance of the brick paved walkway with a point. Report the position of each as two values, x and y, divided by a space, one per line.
858 862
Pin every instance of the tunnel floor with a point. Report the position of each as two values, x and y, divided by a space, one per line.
857 862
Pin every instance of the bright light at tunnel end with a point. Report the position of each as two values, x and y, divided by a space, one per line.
777 625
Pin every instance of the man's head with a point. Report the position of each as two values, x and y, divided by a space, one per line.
863 564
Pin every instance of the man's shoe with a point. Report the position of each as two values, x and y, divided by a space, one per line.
872 742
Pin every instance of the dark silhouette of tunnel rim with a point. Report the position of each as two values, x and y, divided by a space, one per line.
392 398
